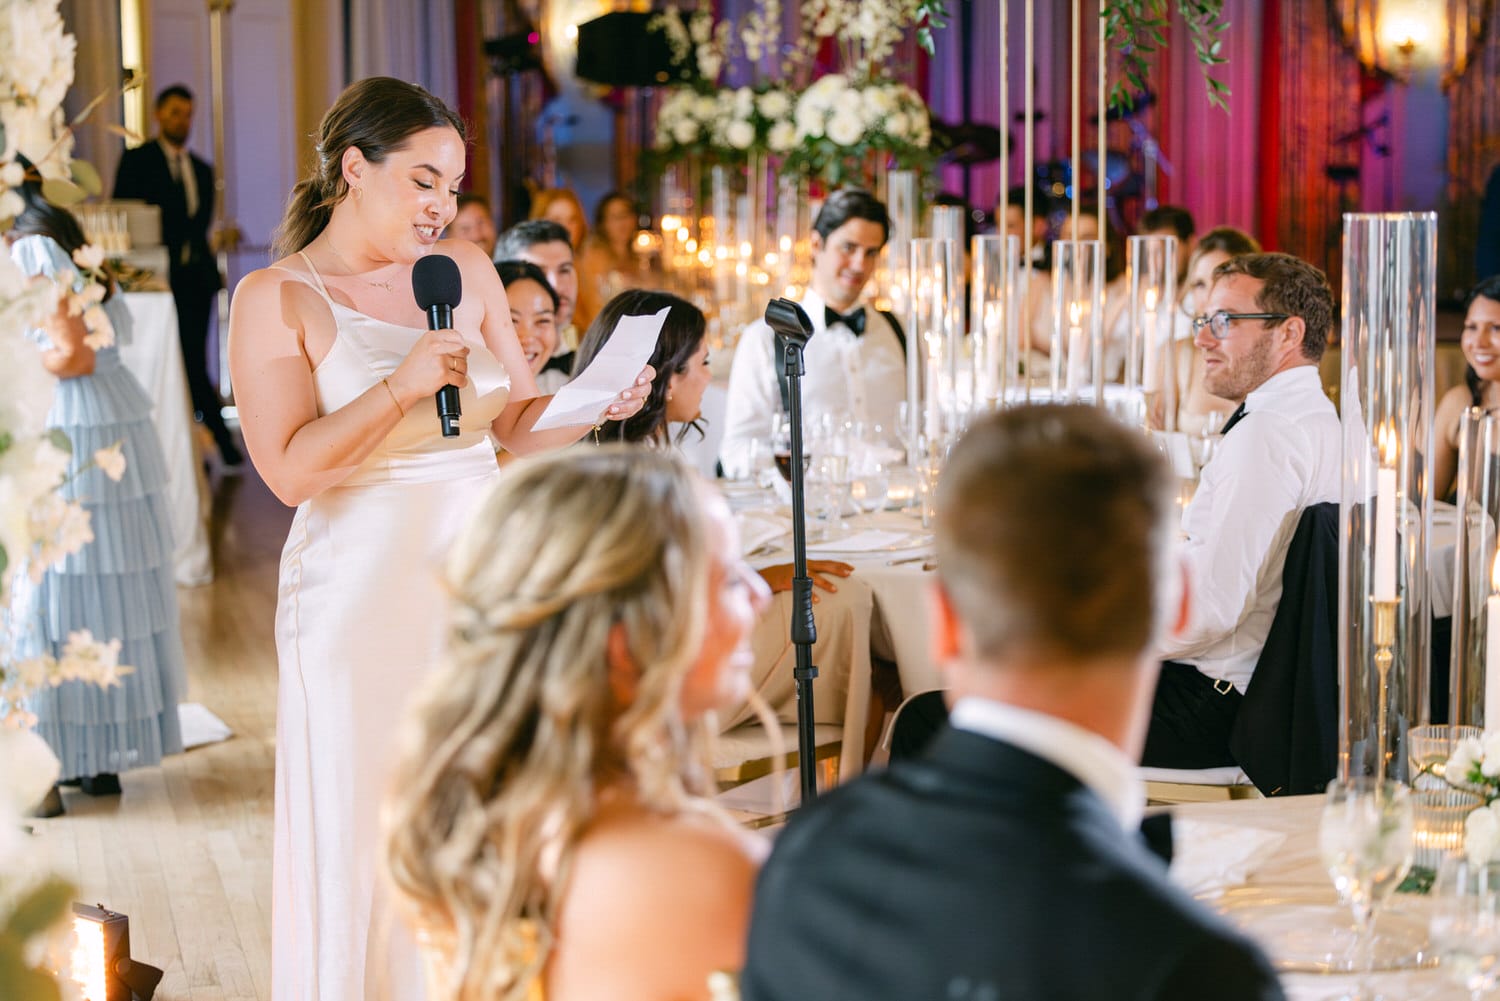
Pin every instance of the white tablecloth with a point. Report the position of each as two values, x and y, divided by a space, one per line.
155 357
1296 873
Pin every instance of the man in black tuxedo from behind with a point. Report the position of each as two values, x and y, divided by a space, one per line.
165 173
1005 861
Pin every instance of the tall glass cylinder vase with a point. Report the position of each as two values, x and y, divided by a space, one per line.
758 183
717 243
901 206
996 267
1151 367
788 267
929 347
1385 514
1077 321
1473 688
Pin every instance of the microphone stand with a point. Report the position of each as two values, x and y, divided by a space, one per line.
792 329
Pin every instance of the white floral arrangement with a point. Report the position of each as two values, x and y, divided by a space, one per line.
838 124
1474 766
37 525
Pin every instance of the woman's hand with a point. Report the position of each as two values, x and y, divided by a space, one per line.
779 577
439 358
630 402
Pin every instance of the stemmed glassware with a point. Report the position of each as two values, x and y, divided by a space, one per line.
1365 838
1465 925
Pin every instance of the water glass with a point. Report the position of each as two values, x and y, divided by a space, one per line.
1365 839
1465 924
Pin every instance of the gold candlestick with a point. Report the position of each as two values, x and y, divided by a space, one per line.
1385 638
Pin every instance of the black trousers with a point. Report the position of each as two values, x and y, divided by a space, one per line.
194 300
1191 718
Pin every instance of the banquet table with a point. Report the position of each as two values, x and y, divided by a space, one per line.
154 356
1291 894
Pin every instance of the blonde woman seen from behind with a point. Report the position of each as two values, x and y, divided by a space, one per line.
549 831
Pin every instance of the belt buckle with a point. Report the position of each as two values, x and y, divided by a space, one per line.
1223 686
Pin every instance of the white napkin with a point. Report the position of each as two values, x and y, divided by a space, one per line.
759 528
870 541
1208 858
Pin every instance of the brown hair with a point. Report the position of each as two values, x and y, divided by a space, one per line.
376 115
1292 286
1054 528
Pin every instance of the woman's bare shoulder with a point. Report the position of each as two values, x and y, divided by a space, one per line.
623 839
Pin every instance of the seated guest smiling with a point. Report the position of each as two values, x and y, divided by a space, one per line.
473 222
545 244
1005 860
551 831
856 359
1262 329
533 312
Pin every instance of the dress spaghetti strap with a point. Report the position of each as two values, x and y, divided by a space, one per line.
317 278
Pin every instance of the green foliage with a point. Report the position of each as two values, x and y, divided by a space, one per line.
60 440
1139 29
932 15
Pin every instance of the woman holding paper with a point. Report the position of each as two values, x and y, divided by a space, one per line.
335 371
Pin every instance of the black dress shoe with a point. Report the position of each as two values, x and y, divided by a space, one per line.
103 784
50 806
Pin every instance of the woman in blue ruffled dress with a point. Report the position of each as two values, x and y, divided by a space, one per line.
120 585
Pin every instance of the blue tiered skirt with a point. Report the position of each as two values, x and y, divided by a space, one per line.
120 586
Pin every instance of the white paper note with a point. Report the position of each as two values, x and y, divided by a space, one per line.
612 371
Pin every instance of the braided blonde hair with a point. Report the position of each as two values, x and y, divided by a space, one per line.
519 733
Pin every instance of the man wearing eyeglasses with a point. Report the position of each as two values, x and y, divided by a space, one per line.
1262 332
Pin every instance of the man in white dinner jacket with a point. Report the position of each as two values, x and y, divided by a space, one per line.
1262 332
856 359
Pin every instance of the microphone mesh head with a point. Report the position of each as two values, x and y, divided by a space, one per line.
435 280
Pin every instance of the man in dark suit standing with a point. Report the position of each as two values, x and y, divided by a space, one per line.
1005 861
165 173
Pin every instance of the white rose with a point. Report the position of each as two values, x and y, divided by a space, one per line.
1481 834
877 102
744 102
741 135
705 107
895 125
30 770
783 136
774 104
685 131
1466 754
1489 743
89 257
112 461
845 130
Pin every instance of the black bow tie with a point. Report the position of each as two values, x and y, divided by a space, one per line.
854 319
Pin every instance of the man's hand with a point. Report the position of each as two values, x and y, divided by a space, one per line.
779 577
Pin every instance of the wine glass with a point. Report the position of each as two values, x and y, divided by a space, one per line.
1365 838
1465 925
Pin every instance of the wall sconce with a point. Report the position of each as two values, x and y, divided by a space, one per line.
102 966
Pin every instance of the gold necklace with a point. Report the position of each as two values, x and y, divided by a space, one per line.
389 284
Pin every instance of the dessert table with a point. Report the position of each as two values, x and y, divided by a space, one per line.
154 356
1288 904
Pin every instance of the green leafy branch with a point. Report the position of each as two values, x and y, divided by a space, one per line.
1139 29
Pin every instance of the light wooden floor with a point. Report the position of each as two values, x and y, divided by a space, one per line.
186 850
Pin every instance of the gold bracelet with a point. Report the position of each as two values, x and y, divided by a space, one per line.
387 384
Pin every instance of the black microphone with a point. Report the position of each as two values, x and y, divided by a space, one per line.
438 286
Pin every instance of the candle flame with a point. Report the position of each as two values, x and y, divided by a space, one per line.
1389 445
1150 300
670 223
1075 313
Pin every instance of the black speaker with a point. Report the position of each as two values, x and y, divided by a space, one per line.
619 49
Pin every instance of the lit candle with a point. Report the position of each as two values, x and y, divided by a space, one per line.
1150 376
1077 360
1385 517
1492 650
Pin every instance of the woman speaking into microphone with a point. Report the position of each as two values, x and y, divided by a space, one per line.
335 374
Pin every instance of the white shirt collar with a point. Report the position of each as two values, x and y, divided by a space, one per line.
1295 380
1082 753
